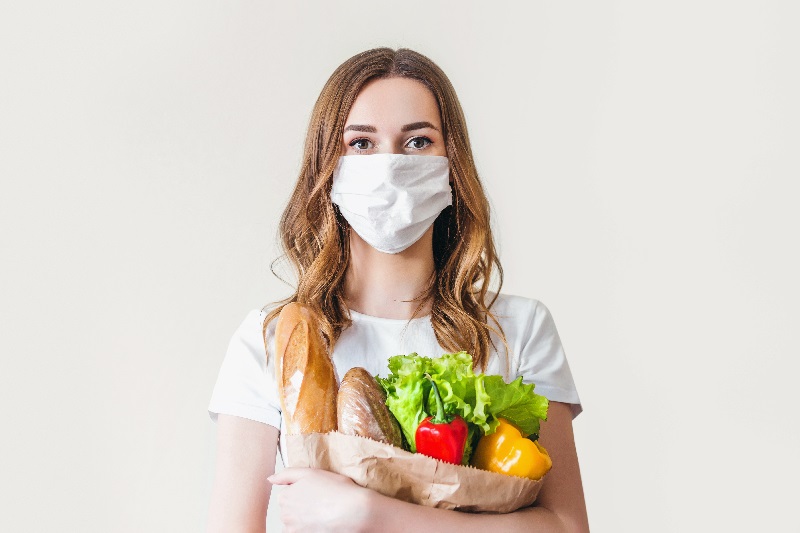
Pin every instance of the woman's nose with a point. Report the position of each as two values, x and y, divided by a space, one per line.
391 146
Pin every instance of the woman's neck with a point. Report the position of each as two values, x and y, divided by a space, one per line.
386 285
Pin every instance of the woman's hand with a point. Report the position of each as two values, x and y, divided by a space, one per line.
318 500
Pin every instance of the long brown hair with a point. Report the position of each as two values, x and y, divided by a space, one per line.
315 236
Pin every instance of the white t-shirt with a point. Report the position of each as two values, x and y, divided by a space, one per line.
246 384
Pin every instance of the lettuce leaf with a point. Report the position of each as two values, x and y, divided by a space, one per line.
517 403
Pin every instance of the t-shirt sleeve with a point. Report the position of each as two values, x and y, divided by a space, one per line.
542 360
245 386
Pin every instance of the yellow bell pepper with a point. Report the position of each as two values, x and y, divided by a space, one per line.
506 451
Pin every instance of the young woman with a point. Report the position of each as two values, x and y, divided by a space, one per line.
388 230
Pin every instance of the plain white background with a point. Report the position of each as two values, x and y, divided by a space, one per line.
642 164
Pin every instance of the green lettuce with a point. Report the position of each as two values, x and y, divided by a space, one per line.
478 398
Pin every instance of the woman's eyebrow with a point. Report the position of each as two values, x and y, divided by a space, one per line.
361 127
419 126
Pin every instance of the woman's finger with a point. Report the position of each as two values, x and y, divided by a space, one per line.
289 475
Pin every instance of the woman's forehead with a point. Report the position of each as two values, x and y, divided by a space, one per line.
394 102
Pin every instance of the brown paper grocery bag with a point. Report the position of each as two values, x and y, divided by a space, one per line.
411 477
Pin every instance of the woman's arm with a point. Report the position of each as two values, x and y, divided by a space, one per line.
562 492
246 452
344 506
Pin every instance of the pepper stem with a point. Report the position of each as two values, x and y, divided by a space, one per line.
440 417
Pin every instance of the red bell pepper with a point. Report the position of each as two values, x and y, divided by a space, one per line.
442 436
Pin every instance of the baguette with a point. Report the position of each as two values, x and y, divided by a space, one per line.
307 385
361 408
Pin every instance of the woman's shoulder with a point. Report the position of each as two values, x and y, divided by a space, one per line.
525 319
251 339
511 307
535 346
248 337
245 383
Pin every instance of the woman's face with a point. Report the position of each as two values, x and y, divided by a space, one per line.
394 116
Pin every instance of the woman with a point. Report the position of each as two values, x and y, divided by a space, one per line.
388 230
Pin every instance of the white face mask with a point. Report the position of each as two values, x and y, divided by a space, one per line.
390 200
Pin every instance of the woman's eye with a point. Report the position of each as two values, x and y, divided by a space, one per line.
418 143
361 144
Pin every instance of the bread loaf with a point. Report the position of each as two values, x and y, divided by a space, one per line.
306 378
362 410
